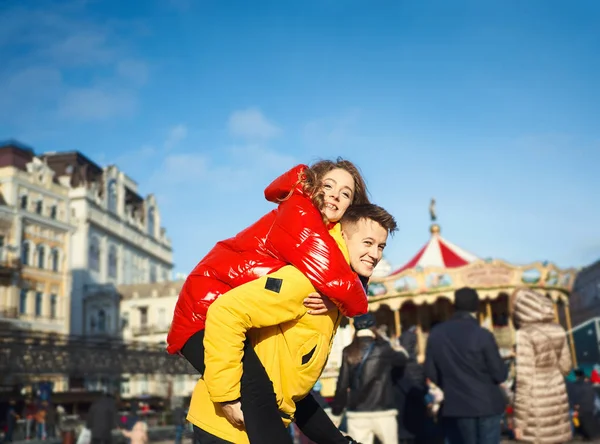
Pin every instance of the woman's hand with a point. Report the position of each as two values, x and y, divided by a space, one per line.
318 304
233 412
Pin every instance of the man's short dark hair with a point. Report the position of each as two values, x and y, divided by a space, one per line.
466 299
354 213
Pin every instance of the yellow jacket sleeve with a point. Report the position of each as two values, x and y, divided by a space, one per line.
267 301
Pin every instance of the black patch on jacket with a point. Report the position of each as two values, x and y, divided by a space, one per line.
309 355
274 284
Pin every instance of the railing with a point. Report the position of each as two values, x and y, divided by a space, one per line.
9 266
143 330
35 353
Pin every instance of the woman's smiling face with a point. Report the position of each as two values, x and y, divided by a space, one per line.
338 188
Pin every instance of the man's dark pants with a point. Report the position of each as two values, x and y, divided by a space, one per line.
482 430
202 437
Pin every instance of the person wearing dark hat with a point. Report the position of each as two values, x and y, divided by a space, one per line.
364 386
463 359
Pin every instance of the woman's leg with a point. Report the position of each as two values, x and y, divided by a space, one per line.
262 418
312 420
193 351
202 437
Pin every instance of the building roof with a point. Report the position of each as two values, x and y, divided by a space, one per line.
438 252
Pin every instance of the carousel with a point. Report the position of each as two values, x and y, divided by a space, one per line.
421 294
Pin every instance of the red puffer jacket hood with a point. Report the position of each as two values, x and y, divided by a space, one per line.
293 233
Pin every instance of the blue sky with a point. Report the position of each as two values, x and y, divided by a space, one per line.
493 108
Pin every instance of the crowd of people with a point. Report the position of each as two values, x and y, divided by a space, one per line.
42 419
258 314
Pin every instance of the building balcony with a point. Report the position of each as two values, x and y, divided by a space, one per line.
8 267
146 330
9 313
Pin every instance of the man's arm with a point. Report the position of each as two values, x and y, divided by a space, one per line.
268 301
496 367
565 362
429 367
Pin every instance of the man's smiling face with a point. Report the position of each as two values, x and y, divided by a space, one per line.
366 240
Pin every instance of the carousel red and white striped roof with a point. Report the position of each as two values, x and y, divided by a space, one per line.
439 252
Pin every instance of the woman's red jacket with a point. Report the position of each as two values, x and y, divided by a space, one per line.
293 233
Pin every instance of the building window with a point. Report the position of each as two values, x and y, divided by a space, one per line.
53 212
94 254
38 303
125 386
143 384
125 320
143 316
25 253
151 221
23 301
39 206
102 321
55 260
112 261
112 196
152 273
162 317
41 256
165 274
24 201
53 300
179 383
126 271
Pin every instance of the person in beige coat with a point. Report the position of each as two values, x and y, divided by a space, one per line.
542 362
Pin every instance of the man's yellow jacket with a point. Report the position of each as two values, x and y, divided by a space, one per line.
292 345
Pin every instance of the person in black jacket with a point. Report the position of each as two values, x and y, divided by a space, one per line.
364 385
102 419
463 360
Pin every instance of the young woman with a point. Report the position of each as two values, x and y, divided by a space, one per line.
312 200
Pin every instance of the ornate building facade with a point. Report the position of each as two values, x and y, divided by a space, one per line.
35 245
118 240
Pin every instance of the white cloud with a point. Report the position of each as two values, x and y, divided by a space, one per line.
66 43
331 131
135 71
250 124
182 169
232 170
96 104
176 135
269 159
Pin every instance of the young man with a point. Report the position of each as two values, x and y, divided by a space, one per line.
292 346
